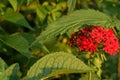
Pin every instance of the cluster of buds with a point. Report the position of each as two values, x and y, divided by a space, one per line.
90 38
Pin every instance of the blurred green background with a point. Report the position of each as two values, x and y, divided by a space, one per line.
21 21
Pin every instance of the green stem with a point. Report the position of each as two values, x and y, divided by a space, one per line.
118 70
90 73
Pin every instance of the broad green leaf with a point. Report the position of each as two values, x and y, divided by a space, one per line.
14 4
71 5
3 65
75 21
9 73
3 76
12 71
17 42
56 63
16 18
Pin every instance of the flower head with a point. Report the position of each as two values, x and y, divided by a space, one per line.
97 33
88 39
111 44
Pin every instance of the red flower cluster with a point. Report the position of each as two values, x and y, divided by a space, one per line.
89 39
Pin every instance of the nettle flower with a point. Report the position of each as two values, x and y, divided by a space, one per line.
89 39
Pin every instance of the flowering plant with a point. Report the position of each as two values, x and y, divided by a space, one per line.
89 39
95 40
34 36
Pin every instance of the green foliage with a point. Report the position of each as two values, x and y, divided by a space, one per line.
41 12
71 5
9 73
3 76
3 65
12 72
75 21
17 42
56 63
34 33
14 4
16 18
29 1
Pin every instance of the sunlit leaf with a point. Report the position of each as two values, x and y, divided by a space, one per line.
3 76
56 63
3 65
14 4
11 72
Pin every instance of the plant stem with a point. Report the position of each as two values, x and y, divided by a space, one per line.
118 70
90 73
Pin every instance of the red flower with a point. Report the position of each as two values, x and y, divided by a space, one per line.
73 39
111 44
97 33
88 39
87 44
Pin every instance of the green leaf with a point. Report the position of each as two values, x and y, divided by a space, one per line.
14 4
39 47
41 12
71 5
17 42
29 37
11 72
3 76
3 65
117 22
75 21
16 18
29 1
56 63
